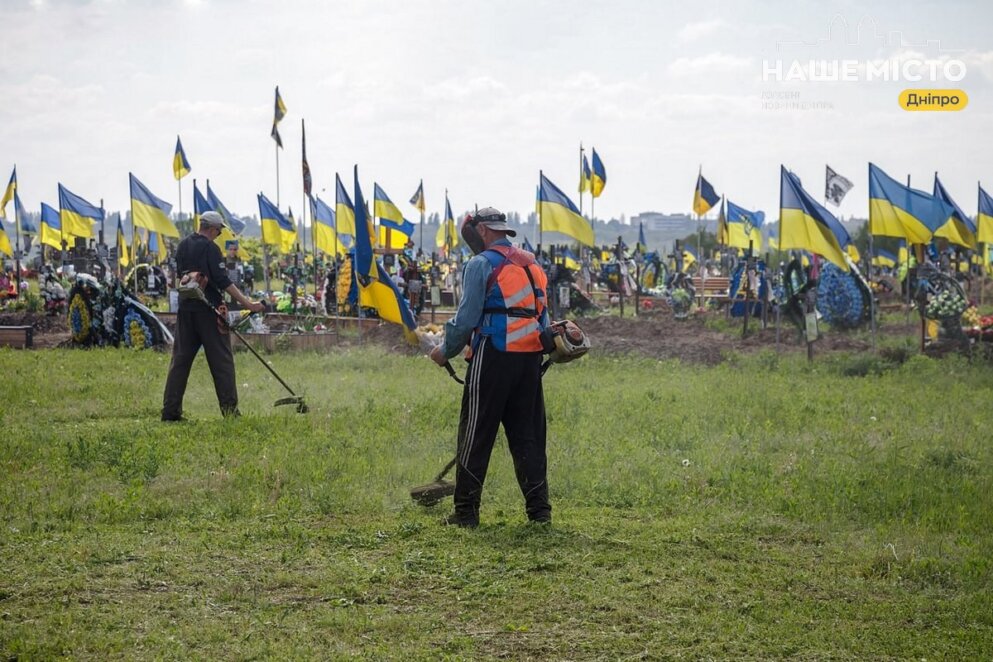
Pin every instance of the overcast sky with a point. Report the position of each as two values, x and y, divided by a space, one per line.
477 97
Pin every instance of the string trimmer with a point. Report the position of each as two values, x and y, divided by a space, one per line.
189 288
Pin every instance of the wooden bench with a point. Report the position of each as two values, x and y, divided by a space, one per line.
18 337
714 288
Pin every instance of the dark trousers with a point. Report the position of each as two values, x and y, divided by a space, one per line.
502 387
196 329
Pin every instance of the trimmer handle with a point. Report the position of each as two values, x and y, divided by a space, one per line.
451 371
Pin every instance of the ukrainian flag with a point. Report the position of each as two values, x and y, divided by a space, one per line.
276 228
51 227
5 246
365 266
149 212
806 225
343 209
599 179
743 226
24 224
399 233
569 259
985 218
383 206
180 166
325 237
237 225
585 175
123 254
642 246
157 247
959 230
202 205
689 258
704 197
447 236
884 258
418 198
558 214
376 288
896 210
77 215
8 194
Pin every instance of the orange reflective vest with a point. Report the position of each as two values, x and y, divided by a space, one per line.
515 306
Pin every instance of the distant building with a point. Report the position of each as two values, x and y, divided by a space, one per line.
669 223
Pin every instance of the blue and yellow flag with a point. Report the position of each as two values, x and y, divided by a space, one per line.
984 220
569 259
150 212
689 258
343 209
157 250
276 229
806 225
8 193
180 166
22 222
383 207
704 197
418 198
959 230
376 288
585 175
76 214
365 265
201 205
235 227
236 224
278 114
742 226
599 178
325 237
123 250
51 227
447 236
884 258
5 246
642 245
556 213
395 235
896 210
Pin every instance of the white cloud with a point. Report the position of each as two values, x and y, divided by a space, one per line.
695 31
710 64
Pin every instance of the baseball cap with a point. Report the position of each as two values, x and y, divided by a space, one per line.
494 219
212 219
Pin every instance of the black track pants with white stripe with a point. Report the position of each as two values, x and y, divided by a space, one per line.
502 387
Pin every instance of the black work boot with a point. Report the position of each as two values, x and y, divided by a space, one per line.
462 521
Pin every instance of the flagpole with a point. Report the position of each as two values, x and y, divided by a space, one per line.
541 229
179 183
582 175
17 245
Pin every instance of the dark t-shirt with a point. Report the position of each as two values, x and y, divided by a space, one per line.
198 253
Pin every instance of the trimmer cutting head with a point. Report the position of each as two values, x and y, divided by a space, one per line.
432 493
297 400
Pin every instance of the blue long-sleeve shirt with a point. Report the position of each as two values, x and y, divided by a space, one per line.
458 330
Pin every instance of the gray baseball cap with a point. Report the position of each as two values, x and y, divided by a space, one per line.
494 219
212 219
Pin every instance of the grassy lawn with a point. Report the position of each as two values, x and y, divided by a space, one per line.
762 508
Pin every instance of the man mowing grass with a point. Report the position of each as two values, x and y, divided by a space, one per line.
501 316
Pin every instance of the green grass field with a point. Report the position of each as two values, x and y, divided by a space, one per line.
762 508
